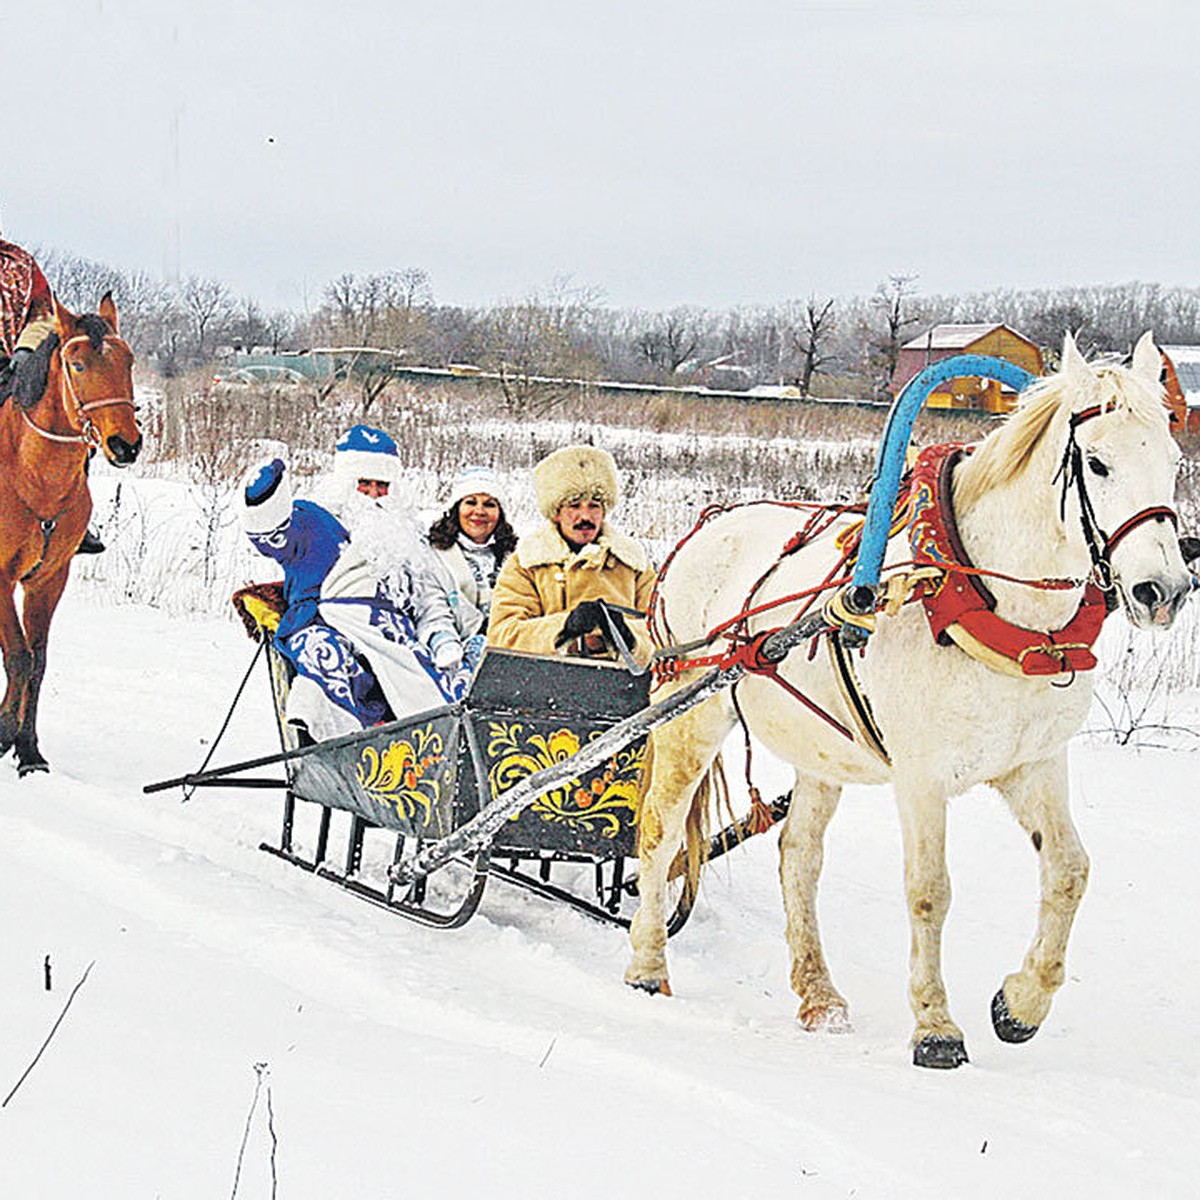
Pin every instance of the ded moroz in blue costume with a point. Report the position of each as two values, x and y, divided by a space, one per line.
367 629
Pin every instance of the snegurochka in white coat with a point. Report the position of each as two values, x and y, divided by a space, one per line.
470 542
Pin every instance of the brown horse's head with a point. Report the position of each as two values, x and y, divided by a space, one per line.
95 378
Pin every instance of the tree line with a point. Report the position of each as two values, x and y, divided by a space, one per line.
819 345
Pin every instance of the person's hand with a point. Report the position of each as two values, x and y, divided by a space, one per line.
447 652
14 375
586 622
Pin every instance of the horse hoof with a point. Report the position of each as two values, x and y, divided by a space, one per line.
653 987
825 1018
940 1052
1007 1027
28 768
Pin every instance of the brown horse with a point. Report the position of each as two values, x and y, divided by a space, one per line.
45 440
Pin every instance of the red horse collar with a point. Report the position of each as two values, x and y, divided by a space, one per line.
961 609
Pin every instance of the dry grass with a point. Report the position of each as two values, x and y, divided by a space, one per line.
439 428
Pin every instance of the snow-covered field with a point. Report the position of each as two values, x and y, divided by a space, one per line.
507 1058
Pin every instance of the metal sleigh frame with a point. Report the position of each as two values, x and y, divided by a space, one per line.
417 780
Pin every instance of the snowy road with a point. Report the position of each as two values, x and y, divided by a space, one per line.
507 1058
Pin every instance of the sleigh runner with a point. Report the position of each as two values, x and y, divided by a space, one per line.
428 776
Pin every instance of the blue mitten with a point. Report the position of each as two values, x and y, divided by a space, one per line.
266 498
261 484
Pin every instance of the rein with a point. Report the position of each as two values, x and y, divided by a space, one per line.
669 662
87 434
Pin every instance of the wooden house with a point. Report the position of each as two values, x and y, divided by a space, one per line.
945 341
1181 378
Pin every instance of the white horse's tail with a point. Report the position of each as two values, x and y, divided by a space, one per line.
710 805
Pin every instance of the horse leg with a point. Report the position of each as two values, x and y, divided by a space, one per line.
17 661
801 856
937 1041
39 606
1037 794
680 753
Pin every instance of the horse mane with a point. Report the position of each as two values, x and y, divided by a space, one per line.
96 329
1047 404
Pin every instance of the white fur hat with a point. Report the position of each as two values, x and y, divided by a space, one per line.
475 481
366 453
572 473
266 497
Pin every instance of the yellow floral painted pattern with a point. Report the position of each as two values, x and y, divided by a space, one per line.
603 805
406 775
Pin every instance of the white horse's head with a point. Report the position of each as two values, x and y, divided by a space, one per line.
1123 476
1107 425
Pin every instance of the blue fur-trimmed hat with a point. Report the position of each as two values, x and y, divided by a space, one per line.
365 453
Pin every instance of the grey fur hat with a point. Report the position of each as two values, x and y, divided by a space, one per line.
572 473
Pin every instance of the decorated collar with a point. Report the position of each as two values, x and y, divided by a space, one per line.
959 606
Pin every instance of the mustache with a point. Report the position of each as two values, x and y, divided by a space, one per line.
584 524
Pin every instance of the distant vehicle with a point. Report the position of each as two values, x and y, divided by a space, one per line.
258 374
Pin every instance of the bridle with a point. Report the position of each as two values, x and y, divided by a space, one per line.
87 433
1100 545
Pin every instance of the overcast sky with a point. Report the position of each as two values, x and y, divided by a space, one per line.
663 152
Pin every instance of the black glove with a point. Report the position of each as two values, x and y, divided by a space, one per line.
1189 547
26 374
588 616
8 372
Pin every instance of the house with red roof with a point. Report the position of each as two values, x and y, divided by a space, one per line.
945 341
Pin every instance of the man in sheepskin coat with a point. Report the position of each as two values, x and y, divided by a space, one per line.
545 599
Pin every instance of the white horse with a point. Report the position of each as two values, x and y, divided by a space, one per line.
1083 469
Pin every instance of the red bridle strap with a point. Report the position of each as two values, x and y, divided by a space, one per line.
1159 513
1102 556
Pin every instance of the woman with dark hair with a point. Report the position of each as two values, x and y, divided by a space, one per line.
471 540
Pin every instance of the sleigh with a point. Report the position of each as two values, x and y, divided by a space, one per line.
390 814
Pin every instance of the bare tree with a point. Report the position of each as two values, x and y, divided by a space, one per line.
141 302
412 287
1047 326
247 325
279 328
168 337
79 282
812 340
387 309
539 346
342 298
671 340
208 306
892 300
